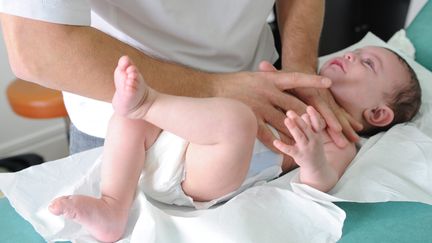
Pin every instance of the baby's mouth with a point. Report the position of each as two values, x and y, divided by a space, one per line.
338 63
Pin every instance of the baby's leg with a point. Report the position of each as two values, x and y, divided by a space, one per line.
221 133
124 153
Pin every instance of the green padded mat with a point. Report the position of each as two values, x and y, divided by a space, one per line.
13 228
387 222
392 222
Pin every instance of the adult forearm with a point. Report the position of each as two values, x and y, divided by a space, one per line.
81 60
300 23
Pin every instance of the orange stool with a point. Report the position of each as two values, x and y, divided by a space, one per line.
34 101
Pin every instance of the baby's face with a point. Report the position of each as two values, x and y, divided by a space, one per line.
362 78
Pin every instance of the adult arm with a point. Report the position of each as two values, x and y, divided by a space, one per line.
299 32
81 60
300 23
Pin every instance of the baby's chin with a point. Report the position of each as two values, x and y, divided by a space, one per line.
323 68
324 71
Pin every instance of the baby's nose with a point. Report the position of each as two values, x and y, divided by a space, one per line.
349 56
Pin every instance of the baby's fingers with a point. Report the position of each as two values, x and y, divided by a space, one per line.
285 148
317 122
299 128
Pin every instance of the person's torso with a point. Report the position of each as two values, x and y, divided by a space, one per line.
216 36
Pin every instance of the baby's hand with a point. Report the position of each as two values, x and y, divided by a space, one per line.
308 150
314 118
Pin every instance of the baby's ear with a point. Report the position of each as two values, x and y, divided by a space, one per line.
379 116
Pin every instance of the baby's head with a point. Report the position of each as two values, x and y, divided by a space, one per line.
376 86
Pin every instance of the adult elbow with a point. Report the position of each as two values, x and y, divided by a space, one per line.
13 34
24 43
20 68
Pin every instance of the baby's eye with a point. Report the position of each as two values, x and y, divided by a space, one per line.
369 63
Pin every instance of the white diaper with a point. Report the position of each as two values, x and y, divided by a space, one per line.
164 171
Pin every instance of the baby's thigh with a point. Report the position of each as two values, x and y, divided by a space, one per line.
213 171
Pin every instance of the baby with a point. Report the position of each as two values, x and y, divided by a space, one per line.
373 84
376 87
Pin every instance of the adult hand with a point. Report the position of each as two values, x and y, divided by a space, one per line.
341 125
265 92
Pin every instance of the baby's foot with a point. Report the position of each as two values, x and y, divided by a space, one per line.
104 218
133 97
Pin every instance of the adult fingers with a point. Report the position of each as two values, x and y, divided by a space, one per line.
287 101
285 81
351 127
274 116
334 120
266 66
265 135
349 132
329 116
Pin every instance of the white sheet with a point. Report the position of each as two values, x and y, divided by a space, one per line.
396 165
239 220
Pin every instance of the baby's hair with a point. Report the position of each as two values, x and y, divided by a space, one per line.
405 101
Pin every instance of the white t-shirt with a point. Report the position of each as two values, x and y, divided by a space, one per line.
217 36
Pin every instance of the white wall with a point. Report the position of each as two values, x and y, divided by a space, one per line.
20 135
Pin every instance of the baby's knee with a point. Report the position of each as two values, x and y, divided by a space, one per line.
243 119
247 125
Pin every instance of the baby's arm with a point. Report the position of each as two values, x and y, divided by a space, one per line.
321 162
